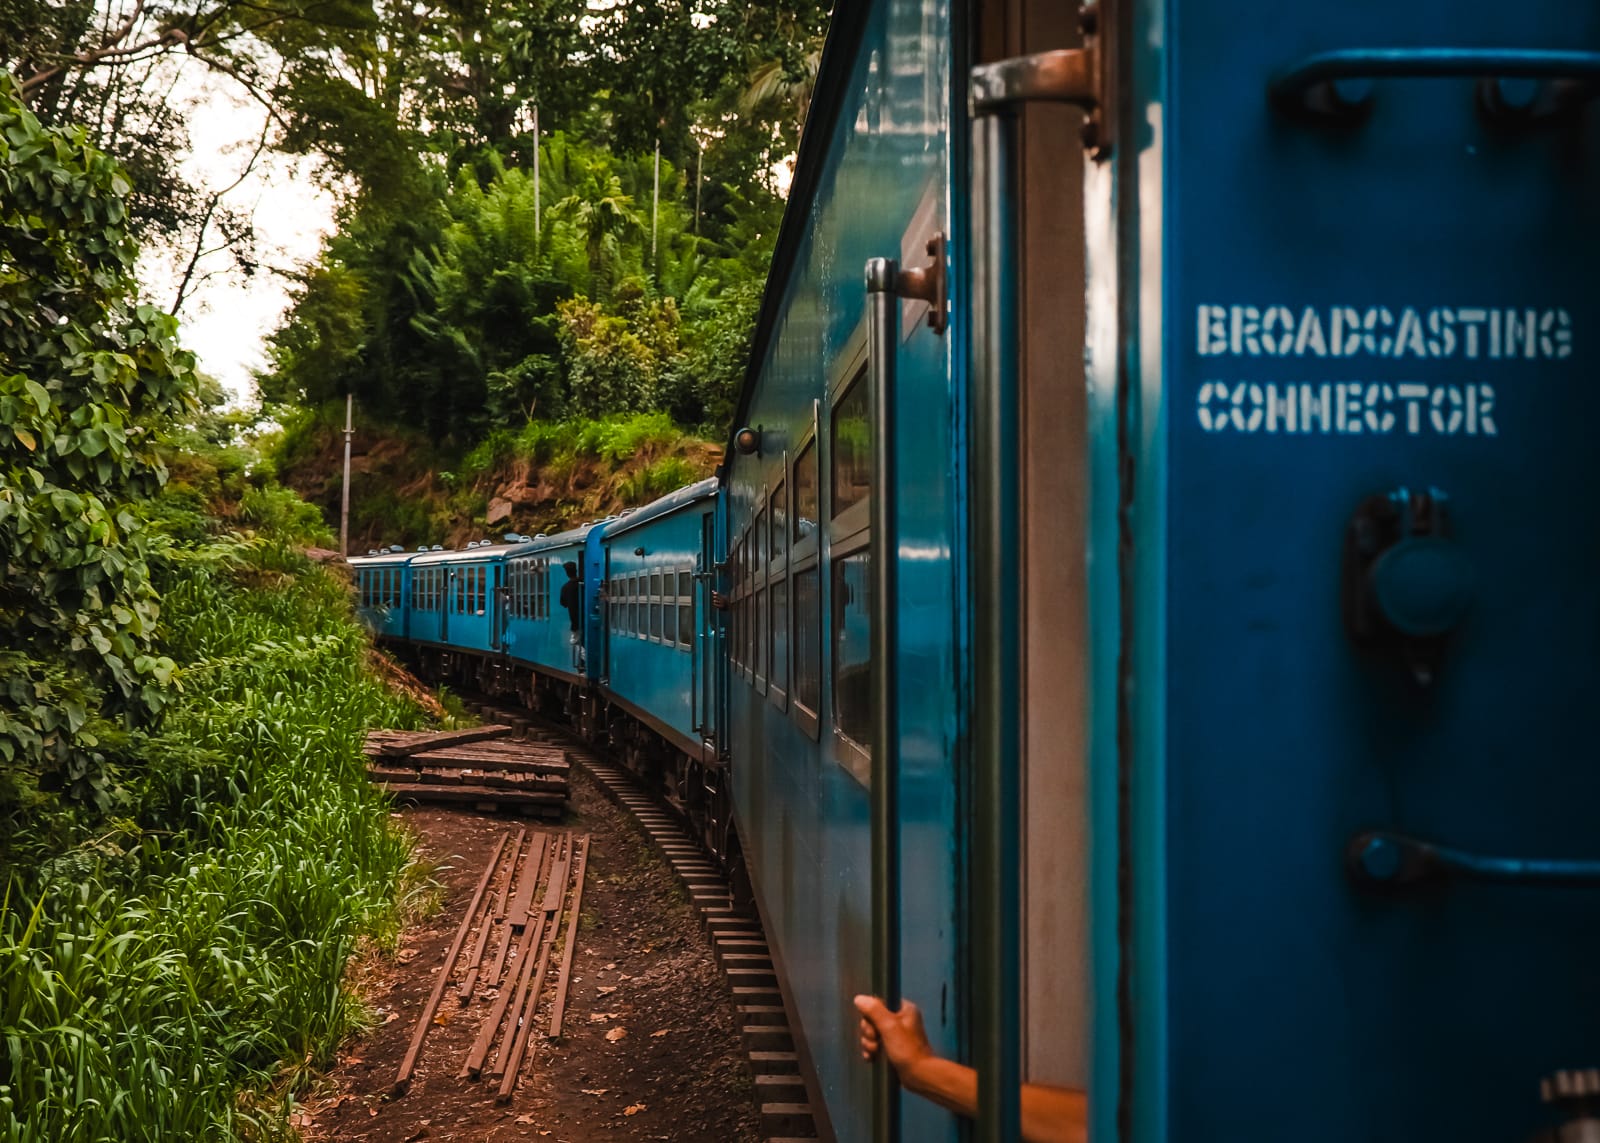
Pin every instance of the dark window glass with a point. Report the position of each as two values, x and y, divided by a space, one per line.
780 523
778 601
852 646
761 543
686 622
685 584
807 641
852 448
655 619
655 585
805 492
758 654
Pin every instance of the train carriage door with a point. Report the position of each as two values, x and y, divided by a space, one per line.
497 605
706 659
1030 566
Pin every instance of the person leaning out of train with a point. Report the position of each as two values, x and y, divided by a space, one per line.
1049 1114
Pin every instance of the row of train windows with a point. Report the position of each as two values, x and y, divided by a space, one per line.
466 592
776 566
381 587
529 583
656 605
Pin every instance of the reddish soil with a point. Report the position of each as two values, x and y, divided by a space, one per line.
643 966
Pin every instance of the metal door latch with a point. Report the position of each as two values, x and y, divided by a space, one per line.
925 284
1084 77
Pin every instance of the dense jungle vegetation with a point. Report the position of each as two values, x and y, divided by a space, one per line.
189 852
509 250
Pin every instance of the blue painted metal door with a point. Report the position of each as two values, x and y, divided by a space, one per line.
1359 427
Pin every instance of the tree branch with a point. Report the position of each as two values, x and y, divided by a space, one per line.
212 204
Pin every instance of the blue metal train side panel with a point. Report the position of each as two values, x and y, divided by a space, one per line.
542 635
803 816
1316 314
383 593
650 648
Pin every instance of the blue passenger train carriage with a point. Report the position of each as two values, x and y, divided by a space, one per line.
538 628
383 590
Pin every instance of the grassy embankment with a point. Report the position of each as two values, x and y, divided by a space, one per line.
180 975
549 475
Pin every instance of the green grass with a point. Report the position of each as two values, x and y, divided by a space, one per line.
197 949
610 439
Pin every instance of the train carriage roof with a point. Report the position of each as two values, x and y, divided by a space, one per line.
671 502
831 89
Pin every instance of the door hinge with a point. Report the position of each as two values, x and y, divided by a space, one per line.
1084 77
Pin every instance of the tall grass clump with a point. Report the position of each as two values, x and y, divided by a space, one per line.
196 949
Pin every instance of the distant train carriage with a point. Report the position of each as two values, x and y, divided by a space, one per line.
538 627
457 601
383 586
660 642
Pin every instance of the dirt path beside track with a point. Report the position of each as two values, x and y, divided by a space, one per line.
643 968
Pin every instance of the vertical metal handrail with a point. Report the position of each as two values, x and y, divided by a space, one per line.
997 685
883 311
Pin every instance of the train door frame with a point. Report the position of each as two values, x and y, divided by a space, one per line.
1050 291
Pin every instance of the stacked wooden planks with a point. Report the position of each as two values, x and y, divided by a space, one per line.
482 766
532 920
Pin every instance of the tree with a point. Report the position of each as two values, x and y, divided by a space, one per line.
87 375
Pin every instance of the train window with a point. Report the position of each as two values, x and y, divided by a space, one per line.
807 689
655 606
780 522
758 640
852 448
805 492
685 610
851 589
778 603
759 531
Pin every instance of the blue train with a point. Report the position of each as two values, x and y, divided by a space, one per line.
1158 603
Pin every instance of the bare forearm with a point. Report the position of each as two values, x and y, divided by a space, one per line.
1049 1114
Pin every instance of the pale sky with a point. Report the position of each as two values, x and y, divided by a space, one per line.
226 320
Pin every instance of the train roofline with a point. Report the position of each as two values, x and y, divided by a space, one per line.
831 90
689 494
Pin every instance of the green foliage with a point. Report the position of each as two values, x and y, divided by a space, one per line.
199 946
510 304
87 375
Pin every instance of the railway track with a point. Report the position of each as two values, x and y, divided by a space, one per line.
734 933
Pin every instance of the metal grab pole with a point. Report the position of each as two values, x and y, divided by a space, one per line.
883 311
995 895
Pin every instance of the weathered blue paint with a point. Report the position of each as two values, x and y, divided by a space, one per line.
803 816
1261 739
467 613
545 639
383 590
655 671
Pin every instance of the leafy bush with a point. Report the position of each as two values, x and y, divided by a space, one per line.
199 946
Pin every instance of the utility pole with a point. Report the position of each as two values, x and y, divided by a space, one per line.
655 204
699 165
344 500
536 171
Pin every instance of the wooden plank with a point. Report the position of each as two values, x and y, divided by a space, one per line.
491 1023
522 1008
556 891
532 870
491 916
563 981
408 1065
441 739
500 795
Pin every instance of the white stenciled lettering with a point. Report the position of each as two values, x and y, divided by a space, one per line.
1277 331
1309 339
1347 408
1441 332
1494 333
1244 324
1213 329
